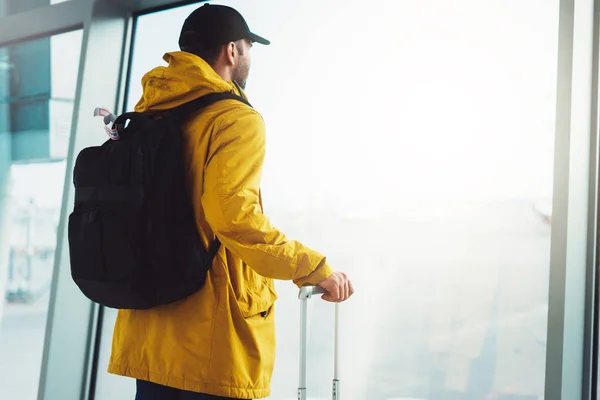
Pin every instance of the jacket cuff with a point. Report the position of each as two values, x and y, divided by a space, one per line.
322 272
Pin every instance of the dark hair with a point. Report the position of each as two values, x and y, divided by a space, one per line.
210 55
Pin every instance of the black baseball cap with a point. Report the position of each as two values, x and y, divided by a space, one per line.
211 25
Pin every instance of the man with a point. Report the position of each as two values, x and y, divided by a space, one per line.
218 343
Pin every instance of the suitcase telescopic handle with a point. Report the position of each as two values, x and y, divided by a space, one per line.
306 292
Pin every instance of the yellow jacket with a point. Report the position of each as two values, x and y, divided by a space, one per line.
220 340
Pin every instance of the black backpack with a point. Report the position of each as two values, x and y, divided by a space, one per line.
133 240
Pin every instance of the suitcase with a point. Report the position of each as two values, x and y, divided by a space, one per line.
306 293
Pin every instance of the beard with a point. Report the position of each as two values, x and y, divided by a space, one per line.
240 73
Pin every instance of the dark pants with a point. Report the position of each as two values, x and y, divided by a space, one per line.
152 391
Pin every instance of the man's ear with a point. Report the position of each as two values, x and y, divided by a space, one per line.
231 53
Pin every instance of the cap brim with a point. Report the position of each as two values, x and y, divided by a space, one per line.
258 39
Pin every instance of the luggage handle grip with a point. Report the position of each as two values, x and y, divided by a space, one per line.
306 292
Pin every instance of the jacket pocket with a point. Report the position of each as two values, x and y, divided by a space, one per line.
252 292
257 298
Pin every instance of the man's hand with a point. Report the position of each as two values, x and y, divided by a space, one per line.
338 287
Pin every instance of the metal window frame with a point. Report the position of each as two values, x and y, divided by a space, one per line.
591 343
71 317
70 353
49 20
571 371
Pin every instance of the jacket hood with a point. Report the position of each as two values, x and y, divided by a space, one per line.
185 78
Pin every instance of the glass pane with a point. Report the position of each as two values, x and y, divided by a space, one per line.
37 91
412 144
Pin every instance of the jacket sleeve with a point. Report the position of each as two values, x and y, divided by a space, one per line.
232 206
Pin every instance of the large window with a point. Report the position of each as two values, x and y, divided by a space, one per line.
37 91
411 143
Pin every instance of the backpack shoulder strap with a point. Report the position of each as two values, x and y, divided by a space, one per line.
184 110
177 114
